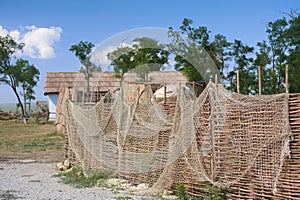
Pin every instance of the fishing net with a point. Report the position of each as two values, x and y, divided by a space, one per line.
214 138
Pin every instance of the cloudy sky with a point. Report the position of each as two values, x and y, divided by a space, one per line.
49 28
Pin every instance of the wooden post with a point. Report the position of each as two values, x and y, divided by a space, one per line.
238 81
287 78
165 93
259 80
194 87
216 79
83 94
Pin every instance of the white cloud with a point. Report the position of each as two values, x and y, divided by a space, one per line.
3 32
99 55
38 42
15 34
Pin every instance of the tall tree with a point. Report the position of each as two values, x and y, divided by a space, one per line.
82 51
122 60
145 55
281 48
241 55
28 80
195 52
279 44
294 51
20 73
219 51
263 61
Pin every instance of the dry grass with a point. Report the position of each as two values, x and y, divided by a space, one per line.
40 142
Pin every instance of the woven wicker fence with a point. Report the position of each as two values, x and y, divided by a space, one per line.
240 144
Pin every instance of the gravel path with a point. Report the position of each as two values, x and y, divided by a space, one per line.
36 181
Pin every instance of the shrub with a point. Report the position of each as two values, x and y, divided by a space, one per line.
76 177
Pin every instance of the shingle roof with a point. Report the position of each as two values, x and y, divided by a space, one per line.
104 81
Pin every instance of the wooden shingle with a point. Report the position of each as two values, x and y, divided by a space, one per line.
105 81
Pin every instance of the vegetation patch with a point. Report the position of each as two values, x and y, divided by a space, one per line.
77 178
29 138
211 193
27 175
8 195
35 181
123 198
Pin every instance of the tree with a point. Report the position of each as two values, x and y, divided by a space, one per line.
279 45
20 73
196 55
263 61
219 51
144 56
294 51
122 60
240 54
28 80
82 51
281 48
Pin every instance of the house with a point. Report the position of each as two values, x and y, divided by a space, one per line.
102 82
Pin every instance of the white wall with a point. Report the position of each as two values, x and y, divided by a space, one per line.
53 98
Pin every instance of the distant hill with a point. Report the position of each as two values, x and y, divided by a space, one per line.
7 107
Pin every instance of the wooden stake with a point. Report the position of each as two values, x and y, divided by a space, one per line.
165 92
216 79
287 78
238 81
259 81
83 94
194 87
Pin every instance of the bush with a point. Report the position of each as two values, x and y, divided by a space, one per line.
213 193
76 177
181 194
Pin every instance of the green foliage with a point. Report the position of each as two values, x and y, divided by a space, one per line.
28 76
212 193
189 51
144 56
8 194
240 54
75 176
82 51
294 52
123 198
215 193
19 74
281 47
181 194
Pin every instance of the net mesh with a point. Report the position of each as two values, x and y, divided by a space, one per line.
215 138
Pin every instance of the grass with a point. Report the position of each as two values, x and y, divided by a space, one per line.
17 137
76 177
8 195
35 181
38 142
123 198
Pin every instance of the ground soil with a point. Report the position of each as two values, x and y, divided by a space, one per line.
38 142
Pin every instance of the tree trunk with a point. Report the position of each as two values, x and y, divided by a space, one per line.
24 100
21 105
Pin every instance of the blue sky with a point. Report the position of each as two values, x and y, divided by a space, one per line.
51 27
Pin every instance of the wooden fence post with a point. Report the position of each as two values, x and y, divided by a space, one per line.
238 81
259 81
287 78
165 93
